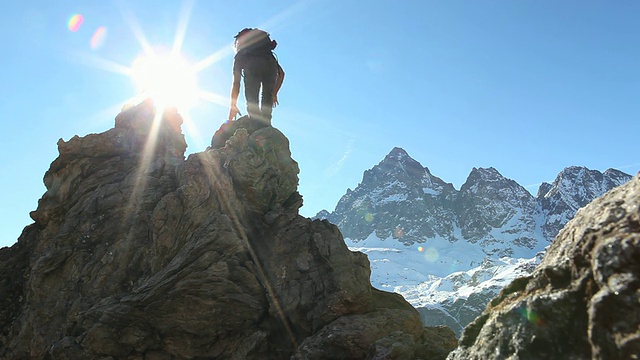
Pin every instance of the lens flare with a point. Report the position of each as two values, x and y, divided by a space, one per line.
98 38
420 249
74 22
368 217
531 316
431 254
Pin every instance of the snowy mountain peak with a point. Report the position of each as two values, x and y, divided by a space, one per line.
398 164
498 214
401 199
397 154
489 184
485 173
614 177
577 185
398 184
485 176
573 188
399 172
594 182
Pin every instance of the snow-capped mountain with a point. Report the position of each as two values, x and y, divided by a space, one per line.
427 203
573 188
448 251
498 214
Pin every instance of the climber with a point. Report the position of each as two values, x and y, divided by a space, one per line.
255 61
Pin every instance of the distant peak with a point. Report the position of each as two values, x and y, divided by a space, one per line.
544 189
578 172
399 157
485 173
616 172
395 163
397 154
484 176
573 169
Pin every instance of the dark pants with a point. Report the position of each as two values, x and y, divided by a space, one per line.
260 72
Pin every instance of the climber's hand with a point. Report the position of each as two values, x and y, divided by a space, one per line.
233 112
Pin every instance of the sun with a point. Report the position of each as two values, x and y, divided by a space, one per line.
167 78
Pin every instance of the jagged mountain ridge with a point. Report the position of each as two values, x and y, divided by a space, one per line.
399 198
572 189
429 241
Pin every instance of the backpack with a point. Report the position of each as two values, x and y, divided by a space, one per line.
253 41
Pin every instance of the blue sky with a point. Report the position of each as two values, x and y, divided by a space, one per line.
528 87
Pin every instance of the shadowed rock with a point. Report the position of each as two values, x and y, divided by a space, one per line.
137 253
581 302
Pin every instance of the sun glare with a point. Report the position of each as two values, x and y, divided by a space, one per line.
169 79
160 73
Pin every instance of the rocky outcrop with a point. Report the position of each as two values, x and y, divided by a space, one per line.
137 253
581 302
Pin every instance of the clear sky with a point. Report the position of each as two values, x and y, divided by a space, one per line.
528 87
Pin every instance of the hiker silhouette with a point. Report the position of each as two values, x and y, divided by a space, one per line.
256 62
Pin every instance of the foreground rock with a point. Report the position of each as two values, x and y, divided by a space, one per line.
137 253
581 302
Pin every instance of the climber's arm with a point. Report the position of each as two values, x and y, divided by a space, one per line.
279 81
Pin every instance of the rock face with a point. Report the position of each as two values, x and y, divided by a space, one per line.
137 253
581 302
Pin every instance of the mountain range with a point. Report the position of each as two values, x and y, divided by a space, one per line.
449 251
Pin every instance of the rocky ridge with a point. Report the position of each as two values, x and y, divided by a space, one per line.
139 253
